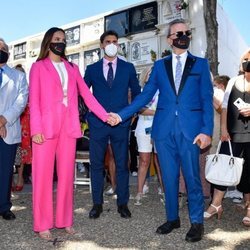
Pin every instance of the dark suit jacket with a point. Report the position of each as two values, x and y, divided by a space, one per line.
114 98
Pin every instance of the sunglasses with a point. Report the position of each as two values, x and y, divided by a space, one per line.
181 33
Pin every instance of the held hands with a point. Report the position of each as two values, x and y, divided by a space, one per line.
38 138
113 119
202 140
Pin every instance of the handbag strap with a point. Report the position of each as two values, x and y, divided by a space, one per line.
230 148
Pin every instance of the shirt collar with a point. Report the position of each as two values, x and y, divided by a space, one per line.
183 55
105 61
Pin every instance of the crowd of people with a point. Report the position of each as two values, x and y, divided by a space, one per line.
175 106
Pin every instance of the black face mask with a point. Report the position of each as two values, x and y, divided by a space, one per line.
181 42
3 56
57 48
246 66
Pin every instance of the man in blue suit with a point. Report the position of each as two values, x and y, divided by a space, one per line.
111 78
183 124
13 98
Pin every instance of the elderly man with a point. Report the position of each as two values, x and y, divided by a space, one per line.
13 99
183 124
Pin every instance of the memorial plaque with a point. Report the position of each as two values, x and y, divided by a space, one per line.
73 35
143 17
117 22
91 56
20 51
74 58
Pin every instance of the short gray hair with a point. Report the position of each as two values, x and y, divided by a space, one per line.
175 21
4 44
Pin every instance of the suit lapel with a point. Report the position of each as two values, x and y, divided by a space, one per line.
188 66
169 69
50 67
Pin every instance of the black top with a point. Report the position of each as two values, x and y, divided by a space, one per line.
238 125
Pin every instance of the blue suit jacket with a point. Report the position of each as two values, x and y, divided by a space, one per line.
193 103
114 98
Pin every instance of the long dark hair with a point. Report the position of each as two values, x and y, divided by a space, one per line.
44 51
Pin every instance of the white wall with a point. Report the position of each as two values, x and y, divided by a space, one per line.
231 45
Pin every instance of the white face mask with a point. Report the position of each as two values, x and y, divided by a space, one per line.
111 50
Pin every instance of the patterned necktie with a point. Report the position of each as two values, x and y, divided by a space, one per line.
110 75
1 76
178 73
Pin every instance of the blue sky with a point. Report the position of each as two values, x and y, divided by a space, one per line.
21 18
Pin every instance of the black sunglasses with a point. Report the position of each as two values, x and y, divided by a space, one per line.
181 33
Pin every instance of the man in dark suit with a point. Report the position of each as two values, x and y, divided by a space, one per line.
111 78
183 124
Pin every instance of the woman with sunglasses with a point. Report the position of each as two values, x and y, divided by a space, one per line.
235 126
55 126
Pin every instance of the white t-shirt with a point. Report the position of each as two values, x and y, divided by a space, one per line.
63 74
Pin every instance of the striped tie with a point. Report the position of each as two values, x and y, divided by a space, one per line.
178 73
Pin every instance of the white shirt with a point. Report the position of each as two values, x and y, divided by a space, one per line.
63 74
182 59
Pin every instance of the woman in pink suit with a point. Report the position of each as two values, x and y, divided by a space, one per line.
54 119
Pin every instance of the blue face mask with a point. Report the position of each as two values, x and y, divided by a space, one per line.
3 56
57 48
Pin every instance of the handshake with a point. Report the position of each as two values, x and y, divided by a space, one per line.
113 119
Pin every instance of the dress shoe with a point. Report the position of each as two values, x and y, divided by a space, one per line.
195 233
124 211
8 215
167 227
95 211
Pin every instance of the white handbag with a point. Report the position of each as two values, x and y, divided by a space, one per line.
224 170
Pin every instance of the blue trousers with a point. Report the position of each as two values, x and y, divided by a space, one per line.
99 139
174 152
7 159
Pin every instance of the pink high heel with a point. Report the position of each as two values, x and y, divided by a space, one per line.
218 211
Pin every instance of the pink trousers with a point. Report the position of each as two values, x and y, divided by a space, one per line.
63 149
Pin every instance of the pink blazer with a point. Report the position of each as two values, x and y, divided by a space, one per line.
46 97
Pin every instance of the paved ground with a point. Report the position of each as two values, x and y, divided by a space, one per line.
110 231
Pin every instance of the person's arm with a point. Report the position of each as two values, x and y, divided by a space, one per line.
34 100
134 83
89 99
206 93
223 126
147 111
11 115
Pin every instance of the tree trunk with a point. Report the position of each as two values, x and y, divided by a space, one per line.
212 34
